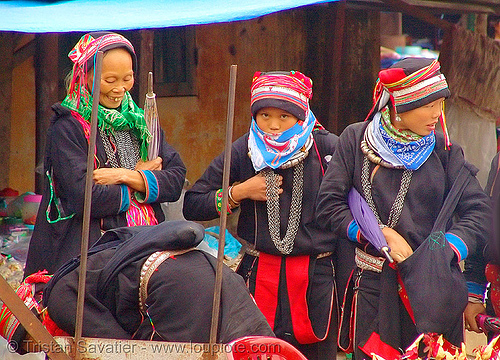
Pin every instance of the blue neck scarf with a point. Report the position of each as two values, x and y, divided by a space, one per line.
273 150
411 155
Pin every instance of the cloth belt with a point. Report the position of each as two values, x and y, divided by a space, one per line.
149 267
366 261
374 263
256 253
266 294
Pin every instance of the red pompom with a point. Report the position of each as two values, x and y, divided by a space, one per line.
391 75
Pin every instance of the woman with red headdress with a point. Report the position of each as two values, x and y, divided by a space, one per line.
128 188
404 169
276 170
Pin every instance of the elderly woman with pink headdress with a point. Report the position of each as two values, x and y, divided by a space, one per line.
128 188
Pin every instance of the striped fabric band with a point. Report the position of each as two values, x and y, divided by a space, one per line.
293 87
280 93
368 262
414 78
83 51
420 90
88 46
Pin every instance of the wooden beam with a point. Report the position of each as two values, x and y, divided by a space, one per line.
6 67
359 66
41 337
145 62
433 7
418 13
24 52
336 65
46 87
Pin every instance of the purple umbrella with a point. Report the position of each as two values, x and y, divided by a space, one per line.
368 224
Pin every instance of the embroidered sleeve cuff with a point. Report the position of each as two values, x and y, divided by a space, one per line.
218 203
353 232
476 292
151 184
125 204
458 246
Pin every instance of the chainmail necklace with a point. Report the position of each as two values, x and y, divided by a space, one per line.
285 245
127 149
397 206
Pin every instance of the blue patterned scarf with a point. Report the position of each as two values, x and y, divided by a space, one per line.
273 150
409 154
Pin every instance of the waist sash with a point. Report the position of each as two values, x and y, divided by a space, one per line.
266 293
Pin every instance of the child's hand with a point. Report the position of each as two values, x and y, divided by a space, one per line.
253 189
155 164
470 313
400 249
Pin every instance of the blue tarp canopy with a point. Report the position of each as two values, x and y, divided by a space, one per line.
91 15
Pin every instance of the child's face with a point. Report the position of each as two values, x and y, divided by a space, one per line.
422 120
273 120
117 77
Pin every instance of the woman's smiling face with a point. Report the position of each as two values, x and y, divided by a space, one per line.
117 77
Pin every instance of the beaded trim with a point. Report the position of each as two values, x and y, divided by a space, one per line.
256 253
285 245
374 158
397 206
149 267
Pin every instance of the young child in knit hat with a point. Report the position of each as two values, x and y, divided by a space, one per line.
276 171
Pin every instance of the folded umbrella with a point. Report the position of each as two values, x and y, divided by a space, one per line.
488 323
367 223
151 117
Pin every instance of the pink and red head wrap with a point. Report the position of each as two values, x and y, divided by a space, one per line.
289 91
412 83
409 84
82 54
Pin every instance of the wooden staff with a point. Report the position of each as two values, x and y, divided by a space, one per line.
41 337
223 214
88 200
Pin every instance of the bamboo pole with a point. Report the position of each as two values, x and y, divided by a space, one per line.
88 200
223 215
41 337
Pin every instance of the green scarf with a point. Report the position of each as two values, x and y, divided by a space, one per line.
402 136
128 117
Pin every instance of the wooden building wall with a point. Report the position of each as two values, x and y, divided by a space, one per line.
6 61
337 46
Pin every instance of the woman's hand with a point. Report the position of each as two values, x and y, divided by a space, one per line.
253 189
110 176
155 164
400 249
117 176
470 313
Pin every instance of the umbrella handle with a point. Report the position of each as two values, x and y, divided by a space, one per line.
150 83
385 250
